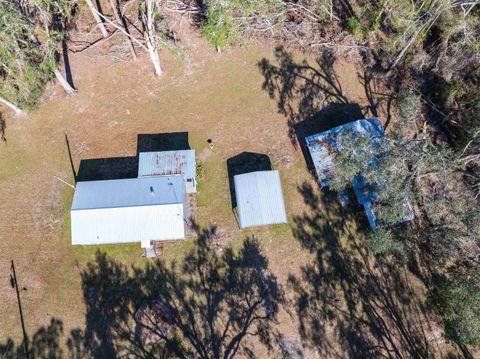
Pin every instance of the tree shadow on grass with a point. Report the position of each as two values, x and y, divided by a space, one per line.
314 93
3 128
214 299
45 343
214 303
348 304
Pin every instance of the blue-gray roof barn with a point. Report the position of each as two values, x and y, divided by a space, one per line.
323 146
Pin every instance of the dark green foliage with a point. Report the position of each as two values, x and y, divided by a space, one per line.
460 303
227 22
447 226
26 64
383 165
354 27
29 33
219 29
382 242
355 157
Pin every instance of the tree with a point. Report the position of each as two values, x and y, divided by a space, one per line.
97 16
459 302
355 154
26 64
29 33
148 14
121 21
374 160
227 22
383 242
53 16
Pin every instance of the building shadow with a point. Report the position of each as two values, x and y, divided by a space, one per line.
333 115
173 141
245 162
99 169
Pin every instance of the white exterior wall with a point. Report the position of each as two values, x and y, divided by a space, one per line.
190 186
127 224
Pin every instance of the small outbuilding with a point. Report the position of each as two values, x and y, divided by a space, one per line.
259 199
169 163
128 210
324 145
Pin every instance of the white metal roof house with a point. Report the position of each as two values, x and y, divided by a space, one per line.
322 146
128 210
259 198
168 163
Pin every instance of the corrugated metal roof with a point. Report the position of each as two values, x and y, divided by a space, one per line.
167 163
322 146
146 191
128 224
259 198
128 210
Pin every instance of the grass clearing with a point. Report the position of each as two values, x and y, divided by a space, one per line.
222 99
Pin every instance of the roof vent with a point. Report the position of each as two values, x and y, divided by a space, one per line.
152 192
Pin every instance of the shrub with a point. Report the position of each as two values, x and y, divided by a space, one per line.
219 29
382 242
460 301
354 27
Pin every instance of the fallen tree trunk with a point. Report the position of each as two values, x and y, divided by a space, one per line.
119 28
18 111
121 21
66 86
97 18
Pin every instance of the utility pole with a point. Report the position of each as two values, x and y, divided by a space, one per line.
14 283
70 157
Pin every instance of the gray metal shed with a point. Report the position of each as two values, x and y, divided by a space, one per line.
259 199
128 210
324 145
168 163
